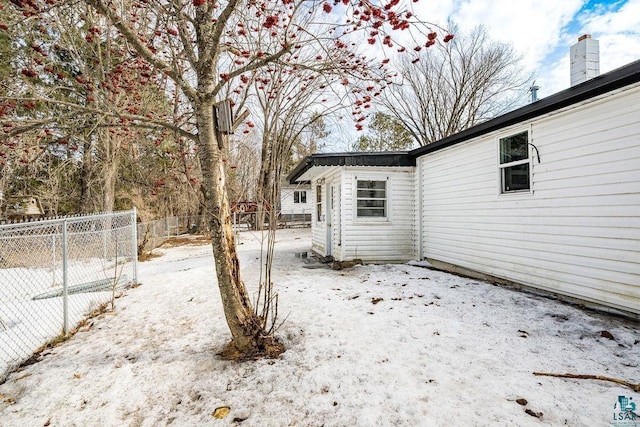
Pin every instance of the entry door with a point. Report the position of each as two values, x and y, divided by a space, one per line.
328 219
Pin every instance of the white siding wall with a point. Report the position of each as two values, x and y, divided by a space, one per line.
577 234
379 241
287 205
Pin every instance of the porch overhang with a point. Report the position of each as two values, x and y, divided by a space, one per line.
315 164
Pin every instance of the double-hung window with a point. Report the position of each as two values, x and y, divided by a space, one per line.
371 199
515 163
299 196
318 203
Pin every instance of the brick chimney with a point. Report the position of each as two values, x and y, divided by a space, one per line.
585 59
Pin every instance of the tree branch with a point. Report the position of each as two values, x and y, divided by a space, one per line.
634 387
142 50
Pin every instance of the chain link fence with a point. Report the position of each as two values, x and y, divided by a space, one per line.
153 233
55 273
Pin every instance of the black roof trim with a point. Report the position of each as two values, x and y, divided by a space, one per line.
384 158
616 79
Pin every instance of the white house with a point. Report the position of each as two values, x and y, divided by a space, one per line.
295 202
546 196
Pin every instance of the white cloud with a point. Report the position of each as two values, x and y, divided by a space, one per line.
544 30
619 35
533 27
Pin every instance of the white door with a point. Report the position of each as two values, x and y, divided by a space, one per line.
328 218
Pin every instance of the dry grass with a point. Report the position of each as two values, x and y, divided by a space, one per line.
186 240
173 242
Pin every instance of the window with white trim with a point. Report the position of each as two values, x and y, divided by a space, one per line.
299 196
371 199
515 164
318 203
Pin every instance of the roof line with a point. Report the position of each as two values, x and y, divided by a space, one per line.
608 82
378 158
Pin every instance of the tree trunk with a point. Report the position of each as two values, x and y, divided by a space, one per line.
86 178
109 191
249 339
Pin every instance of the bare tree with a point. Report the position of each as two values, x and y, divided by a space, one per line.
202 48
456 85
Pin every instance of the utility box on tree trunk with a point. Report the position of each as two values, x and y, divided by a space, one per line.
224 115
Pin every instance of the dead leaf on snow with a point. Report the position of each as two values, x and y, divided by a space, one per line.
606 334
533 414
221 412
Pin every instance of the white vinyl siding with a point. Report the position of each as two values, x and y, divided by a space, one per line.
288 205
577 232
388 239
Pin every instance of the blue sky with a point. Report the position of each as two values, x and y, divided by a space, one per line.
543 30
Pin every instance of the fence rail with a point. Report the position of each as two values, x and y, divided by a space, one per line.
53 273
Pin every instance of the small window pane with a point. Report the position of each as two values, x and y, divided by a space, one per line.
374 194
371 199
514 148
299 196
380 185
516 178
371 203
378 213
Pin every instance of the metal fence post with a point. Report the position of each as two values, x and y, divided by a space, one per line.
134 241
53 253
65 279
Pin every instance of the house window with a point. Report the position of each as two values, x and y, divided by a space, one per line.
318 203
299 196
514 163
371 200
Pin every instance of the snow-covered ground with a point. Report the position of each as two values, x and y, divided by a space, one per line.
375 345
31 312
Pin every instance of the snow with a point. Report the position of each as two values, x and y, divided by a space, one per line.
32 314
434 350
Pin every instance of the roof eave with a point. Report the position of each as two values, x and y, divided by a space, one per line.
617 79
380 159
